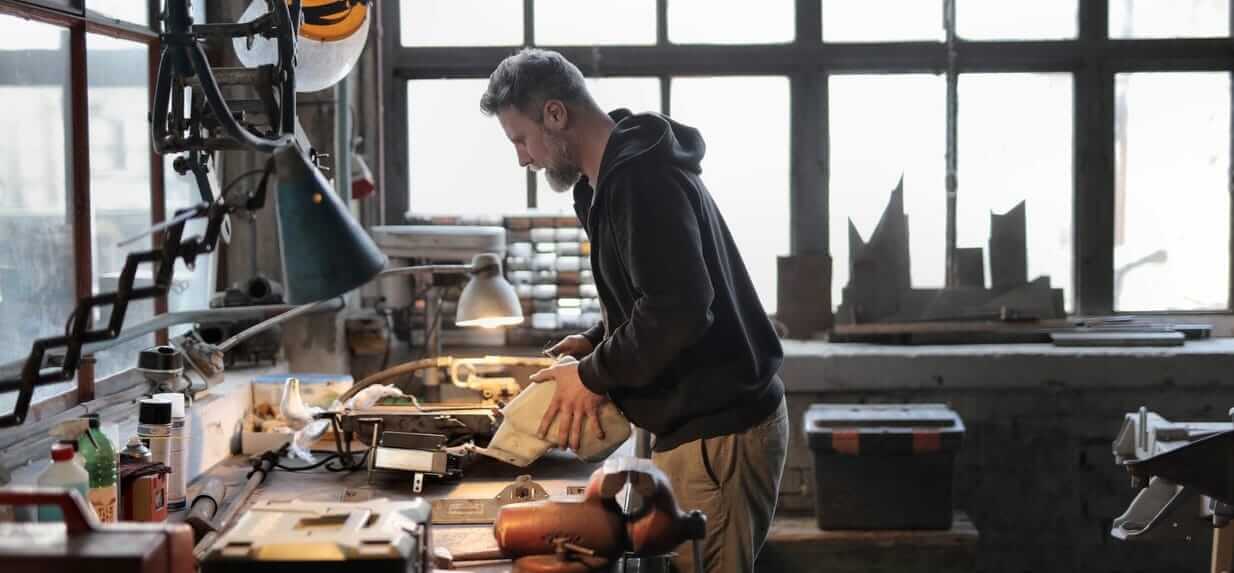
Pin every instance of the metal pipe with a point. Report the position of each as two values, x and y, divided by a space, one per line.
342 140
275 321
317 306
204 507
261 467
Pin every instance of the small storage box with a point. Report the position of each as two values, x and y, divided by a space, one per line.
883 466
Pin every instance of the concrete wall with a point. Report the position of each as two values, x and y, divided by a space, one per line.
1035 473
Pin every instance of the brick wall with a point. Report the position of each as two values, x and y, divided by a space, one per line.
1036 472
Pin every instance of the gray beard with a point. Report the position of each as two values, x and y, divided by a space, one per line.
563 179
565 174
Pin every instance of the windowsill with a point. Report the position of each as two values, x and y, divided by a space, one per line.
815 366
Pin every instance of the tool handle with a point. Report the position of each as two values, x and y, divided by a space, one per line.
207 501
77 518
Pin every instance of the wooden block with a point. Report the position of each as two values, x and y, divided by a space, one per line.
970 268
804 294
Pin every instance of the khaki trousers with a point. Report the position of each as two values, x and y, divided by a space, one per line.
734 480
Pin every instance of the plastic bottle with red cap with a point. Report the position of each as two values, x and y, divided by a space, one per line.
62 473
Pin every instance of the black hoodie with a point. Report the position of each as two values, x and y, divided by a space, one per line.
686 350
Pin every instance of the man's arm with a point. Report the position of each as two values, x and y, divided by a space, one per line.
594 334
660 242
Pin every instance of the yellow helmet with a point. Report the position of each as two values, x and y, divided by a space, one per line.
332 20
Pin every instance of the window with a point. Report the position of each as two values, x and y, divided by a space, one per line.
746 165
595 22
461 23
1172 185
128 10
882 20
119 179
36 223
1024 116
635 94
42 176
1017 20
884 128
1015 145
730 21
190 289
1169 18
460 161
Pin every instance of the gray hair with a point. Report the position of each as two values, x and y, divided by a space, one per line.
529 78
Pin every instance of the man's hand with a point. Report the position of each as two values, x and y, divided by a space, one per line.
572 401
575 345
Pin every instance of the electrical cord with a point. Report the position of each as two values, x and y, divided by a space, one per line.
341 466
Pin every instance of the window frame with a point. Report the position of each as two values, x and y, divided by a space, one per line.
1092 58
79 22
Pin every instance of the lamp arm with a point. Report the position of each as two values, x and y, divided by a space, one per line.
427 270
271 322
247 333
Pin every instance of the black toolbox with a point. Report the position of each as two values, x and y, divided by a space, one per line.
883 466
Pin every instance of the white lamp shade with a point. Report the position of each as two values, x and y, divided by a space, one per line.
488 300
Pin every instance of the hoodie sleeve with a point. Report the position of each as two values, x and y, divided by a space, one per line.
594 334
656 228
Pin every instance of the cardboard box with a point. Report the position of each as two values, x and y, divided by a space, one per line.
319 390
253 443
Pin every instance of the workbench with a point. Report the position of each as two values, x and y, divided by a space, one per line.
794 544
482 479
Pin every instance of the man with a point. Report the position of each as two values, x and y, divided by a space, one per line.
685 350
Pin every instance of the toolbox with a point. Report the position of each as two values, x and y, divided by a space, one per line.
376 536
81 543
883 466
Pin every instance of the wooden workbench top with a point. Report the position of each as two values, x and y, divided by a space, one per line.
483 479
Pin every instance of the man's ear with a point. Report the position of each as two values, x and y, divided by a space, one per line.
556 116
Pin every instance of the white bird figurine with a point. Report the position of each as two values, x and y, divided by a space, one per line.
292 407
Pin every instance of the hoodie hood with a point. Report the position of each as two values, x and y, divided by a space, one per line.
650 136
640 136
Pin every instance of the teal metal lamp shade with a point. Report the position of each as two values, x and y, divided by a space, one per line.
325 250
488 300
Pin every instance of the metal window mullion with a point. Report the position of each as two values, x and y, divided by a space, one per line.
1093 207
808 209
532 198
377 144
808 224
529 22
1229 301
529 39
952 160
666 95
661 22
395 175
